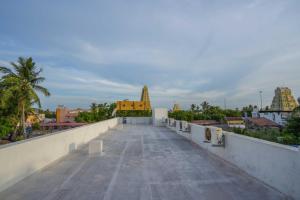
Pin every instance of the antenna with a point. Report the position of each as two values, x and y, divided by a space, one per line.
261 101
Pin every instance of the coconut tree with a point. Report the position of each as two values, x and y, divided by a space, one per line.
23 81
193 107
205 105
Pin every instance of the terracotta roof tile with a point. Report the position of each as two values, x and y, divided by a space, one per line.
263 122
234 119
205 122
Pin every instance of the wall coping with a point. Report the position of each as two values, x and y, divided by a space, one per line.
256 140
49 134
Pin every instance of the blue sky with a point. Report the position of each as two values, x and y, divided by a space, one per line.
186 51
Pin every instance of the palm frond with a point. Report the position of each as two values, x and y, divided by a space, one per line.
37 80
5 70
16 66
9 81
38 72
41 89
35 98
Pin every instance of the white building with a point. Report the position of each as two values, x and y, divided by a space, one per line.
279 117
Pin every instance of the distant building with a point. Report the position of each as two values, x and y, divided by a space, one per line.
145 98
60 126
176 107
206 122
235 122
282 106
279 117
63 114
260 123
131 105
283 100
255 112
35 118
143 104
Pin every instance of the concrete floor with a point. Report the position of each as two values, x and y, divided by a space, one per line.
141 162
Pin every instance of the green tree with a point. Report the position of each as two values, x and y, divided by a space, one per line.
8 113
293 123
205 105
98 112
232 113
49 114
94 110
193 107
23 82
248 110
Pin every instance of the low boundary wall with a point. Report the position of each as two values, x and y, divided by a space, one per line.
138 120
275 164
21 159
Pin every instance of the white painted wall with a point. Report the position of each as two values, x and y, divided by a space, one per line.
277 117
159 115
275 164
138 120
187 135
21 159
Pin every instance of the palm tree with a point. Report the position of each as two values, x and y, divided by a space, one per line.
205 105
197 108
193 107
23 81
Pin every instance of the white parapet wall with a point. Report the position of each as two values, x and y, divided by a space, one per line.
137 120
275 164
159 115
21 159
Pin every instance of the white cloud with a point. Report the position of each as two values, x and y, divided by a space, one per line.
141 55
279 71
185 51
4 63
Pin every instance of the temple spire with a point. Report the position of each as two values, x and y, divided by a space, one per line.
145 97
283 100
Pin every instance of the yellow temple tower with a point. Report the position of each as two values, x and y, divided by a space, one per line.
176 107
143 104
145 98
283 100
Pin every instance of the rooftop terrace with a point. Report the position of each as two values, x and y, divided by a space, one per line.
141 162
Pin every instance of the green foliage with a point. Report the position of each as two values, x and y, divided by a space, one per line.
85 117
19 138
5 128
98 112
207 112
248 110
18 87
182 115
36 126
232 113
134 113
293 123
272 135
8 113
48 113
290 135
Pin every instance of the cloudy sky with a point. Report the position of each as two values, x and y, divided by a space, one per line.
186 51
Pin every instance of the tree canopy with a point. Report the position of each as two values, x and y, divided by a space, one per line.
19 86
98 112
207 112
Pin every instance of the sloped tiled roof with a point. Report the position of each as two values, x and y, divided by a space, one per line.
263 122
205 122
234 119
